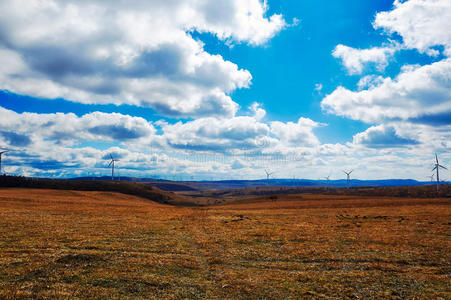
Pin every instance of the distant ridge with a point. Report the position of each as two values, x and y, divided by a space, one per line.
170 185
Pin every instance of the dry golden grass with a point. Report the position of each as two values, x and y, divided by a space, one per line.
74 244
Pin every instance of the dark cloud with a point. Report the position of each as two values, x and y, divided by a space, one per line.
14 139
115 154
117 132
167 60
439 119
58 62
386 137
51 165
199 147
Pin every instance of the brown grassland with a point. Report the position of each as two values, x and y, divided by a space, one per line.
106 245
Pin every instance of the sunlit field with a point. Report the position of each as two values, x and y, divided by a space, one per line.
75 244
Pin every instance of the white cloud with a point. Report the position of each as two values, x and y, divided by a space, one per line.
410 113
421 23
20 130
62 144
382 136
414 93
134 52
296 134
370 82
354 60
318 87
215 134
372 152
436 137
240 20
259 112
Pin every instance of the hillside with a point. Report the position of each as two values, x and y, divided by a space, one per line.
130 188
173 186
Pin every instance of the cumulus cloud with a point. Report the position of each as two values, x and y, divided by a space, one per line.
133 52
46 144
237 164
241 132
14 139
409 113
242 20
421 23
296 134
20 129
428 136
215 134
370 82
418 94
243 145
354 60
62 144
414 93
382 137
259 112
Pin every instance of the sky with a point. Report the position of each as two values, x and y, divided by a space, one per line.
214 90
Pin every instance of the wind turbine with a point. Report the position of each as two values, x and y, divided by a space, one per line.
438 166
347 177
268 174
431 177
112 165
1 159
328 179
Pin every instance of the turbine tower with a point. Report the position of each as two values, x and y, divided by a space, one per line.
348 177
112 165
268 174
438 166
328 179
4 151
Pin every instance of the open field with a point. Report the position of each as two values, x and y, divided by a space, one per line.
88 244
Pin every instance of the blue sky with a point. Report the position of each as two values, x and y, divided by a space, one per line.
194 89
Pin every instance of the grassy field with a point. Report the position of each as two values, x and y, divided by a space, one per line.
87 244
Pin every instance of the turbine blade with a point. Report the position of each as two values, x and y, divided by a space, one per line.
442 167
110 163
434 168
436 158
111 156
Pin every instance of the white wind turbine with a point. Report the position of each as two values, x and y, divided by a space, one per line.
438 166
431 177
268 173
112 165
328 179
348 178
